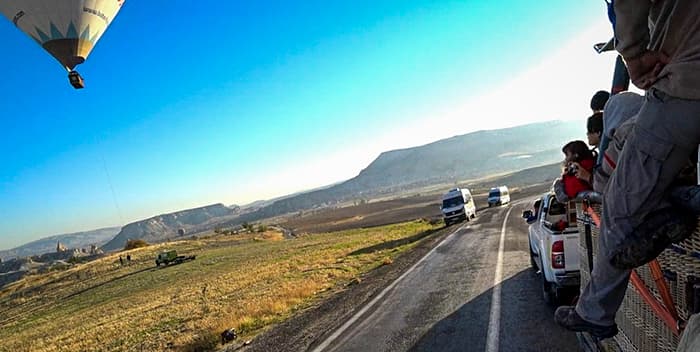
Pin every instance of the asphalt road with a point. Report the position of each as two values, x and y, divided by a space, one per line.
462 296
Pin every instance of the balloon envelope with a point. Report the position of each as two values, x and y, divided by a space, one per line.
67 29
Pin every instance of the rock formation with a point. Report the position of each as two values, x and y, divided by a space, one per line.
160 228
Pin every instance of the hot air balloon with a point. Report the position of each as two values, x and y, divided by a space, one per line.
66 29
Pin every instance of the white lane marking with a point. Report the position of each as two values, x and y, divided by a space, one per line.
495 316
364 309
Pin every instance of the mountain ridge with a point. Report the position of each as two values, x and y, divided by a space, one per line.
44 245
458 158
446 160
163 226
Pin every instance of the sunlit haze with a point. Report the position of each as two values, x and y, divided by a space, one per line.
188 105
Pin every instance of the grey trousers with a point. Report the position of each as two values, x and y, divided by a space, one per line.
666 134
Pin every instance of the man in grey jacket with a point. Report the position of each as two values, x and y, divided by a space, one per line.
660 43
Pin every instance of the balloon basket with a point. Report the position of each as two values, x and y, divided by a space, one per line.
76 80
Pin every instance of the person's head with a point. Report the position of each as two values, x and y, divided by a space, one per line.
576 151
594 128
598 100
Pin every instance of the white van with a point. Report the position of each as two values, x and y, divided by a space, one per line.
498 196
457 205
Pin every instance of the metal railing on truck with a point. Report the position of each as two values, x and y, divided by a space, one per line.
660 297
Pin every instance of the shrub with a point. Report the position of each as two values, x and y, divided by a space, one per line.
204 341
248 227
132 244
76 260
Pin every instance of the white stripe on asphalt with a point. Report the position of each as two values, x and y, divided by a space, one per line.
495 316
362 311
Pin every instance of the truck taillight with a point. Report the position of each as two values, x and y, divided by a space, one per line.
558 261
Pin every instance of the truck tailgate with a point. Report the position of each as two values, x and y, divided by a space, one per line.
571 250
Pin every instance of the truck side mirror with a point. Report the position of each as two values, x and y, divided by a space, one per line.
527 214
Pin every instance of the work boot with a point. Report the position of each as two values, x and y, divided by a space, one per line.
567 318
656 233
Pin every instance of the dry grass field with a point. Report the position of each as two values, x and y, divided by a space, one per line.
247 282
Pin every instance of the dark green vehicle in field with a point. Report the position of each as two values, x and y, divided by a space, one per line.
171 257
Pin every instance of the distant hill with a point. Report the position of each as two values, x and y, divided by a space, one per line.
522 178
161 227
467 157
71 240
470 156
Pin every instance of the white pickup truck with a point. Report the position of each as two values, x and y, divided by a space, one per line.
554 242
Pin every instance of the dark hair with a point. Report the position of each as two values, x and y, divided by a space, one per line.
599 99
579 149
595 123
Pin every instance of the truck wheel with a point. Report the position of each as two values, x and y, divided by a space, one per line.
533 263
474 215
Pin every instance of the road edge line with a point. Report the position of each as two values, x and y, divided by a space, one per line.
495 315
381 294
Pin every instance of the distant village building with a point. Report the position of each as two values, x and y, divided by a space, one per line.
60 247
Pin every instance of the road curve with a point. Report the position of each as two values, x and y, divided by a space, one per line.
461 297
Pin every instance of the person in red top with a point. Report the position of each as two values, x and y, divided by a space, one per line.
579 162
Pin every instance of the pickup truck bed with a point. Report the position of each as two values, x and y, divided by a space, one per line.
553 238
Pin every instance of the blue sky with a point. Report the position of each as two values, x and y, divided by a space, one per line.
228 101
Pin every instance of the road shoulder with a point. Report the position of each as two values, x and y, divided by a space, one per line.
312 325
